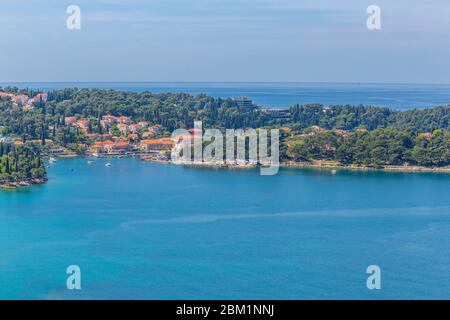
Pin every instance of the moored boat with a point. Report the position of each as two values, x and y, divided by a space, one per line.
9 187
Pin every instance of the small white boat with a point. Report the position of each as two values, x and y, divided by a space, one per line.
108 164
90 162
333 171
96 155
52 160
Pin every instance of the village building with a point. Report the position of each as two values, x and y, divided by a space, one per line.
123 120
425 134
156 128
22 99
317 129
123 128
108 121
134 128
70 120
149 134
40 96
156 145
342 132
133 137
117 147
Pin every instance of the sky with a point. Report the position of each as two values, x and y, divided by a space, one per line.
225 40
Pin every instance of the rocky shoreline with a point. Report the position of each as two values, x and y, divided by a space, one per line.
25 183
388 168
313 165
329 165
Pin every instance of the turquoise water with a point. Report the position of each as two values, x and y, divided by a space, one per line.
147 230
284 95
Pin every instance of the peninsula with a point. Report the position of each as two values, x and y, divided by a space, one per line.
94 122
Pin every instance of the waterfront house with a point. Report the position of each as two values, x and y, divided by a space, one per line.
57 152
153 145
97 147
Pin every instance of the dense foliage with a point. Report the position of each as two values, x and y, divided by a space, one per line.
350 118
179 110
393 138
380 147
172 110
21 163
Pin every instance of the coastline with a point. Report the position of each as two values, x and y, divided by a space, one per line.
316 165
386 168
329 165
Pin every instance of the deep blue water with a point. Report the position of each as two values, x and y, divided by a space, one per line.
146 230
283 95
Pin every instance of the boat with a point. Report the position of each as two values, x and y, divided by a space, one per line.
333 171
9 187
90 162
52 160
96 155
108 164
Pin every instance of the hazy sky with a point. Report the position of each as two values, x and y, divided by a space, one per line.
225 40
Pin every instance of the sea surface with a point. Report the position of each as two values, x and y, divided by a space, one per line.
146 230
284 95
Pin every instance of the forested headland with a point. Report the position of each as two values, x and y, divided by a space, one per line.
358 135
21 165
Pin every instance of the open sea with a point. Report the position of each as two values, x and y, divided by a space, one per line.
158 231
145 230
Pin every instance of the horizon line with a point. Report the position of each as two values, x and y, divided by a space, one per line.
244 82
